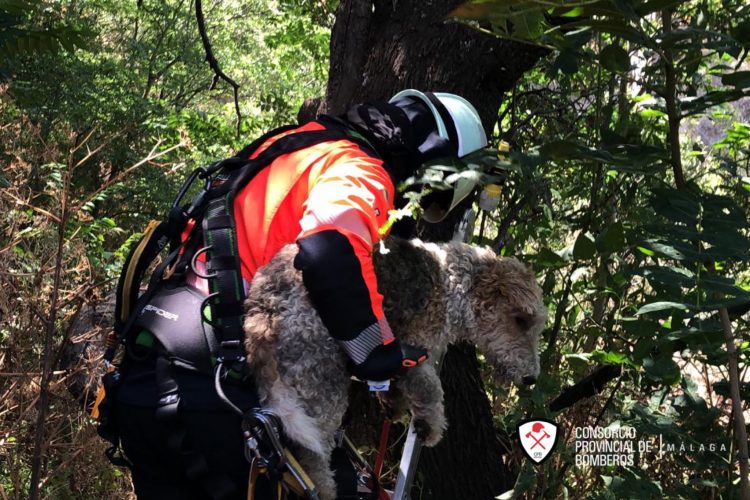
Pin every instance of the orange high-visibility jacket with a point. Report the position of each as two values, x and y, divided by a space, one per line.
332 199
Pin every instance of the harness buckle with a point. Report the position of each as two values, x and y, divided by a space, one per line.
194 263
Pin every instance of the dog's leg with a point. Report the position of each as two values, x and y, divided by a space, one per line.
424 395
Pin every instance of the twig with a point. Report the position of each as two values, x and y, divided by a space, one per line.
85 289
608 402
214 64
114 180
29 374
44 392
34 208
92 152
79 143
510 217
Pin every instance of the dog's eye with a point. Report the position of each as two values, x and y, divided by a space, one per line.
523 323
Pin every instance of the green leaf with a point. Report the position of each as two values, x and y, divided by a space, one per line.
613 238
651 6
634 483
739 79
663 250
617 27
741 32
668 275
567 62
563 150
652 113
611 358
646 251
548 258
527 25
662 306
662 369
578 360
584 247
694 105
615 59
721 285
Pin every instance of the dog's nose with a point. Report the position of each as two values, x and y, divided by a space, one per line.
529 380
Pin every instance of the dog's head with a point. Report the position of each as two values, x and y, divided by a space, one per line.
508 315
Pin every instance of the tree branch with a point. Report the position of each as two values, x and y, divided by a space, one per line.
50 330
590 385
673 114
738 419
214 64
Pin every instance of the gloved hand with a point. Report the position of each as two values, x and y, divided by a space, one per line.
388 360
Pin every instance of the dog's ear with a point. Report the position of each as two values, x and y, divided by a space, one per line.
517 283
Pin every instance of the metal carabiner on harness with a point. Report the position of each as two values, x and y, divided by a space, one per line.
261 426
205 174
264 449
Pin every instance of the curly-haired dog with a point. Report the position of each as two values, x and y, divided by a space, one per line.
435 294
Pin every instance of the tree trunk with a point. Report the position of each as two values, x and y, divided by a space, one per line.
378 48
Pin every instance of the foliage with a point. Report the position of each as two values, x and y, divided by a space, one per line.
106 107
635 261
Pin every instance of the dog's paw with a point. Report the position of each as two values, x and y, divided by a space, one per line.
430 433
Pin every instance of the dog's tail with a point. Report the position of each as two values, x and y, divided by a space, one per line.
298 425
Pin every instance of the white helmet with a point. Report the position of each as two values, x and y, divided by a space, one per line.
456 118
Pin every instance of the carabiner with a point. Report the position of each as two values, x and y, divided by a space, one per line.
186 186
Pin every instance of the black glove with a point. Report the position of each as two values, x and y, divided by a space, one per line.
387 361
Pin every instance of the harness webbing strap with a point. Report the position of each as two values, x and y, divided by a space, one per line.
219 232
248 150
216 485
150 245
225 281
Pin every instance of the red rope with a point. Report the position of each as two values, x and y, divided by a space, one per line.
382 449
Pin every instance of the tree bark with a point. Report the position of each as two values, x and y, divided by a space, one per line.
378 48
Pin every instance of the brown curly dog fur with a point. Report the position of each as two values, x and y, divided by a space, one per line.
435 294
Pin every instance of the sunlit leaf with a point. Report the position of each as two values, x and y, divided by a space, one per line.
611 358
662 306
652 113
